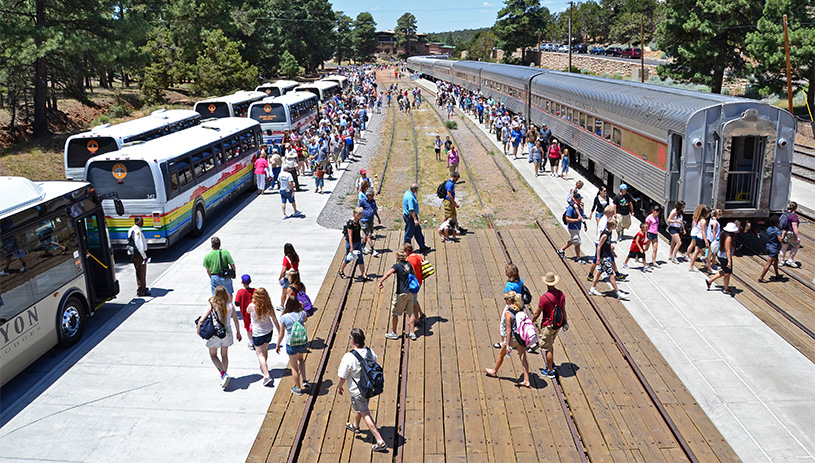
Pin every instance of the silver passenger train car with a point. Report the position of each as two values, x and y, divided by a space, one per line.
668 144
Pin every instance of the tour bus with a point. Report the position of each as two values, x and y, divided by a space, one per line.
342 81
57 267
106 138
234 105
292 111
324 90
277 88
177 181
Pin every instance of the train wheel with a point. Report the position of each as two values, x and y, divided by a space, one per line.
198 220
71 322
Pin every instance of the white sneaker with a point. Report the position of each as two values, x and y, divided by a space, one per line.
625 266
594 292
225 380
621 296
374 253
365 250
790 263
391 335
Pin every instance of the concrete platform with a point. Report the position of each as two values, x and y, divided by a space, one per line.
144 388
757 389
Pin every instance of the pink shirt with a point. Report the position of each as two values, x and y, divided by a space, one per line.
653 224
260 166
452 156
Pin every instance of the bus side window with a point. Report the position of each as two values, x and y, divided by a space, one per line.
219 155
184 174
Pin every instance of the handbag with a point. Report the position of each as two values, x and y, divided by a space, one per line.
427 270
131 245
210 326
226 271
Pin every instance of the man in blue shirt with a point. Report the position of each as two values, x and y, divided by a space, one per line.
369 211
480 108
410 213
574 219
450 204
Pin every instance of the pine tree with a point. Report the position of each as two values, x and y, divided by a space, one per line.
219 68
518 24
363 37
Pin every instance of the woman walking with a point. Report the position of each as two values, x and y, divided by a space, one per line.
554 157
264 322
293 315
725 257
676 228
537 156
773 248
291 261
261 166
699 234
714 230
600 203
514 304
452 160
223 311
604 262
353 241
653 233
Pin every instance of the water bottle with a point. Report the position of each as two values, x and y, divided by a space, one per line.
509 351
566 327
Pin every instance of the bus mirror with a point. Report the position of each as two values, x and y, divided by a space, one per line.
120 208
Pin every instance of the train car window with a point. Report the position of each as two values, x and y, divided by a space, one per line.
548 106
589 123
598 127
617 136
607 131
569 114
582 121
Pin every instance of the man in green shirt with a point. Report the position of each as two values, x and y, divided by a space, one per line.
214 262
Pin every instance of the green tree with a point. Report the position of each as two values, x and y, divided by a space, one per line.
288 65
219 68
164 66
518 24
481 48
405 33
343 37
305 29
766 46
364 37
705 38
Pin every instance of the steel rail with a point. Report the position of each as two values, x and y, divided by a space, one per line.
388 156
627 356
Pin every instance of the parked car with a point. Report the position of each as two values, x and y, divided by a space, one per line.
580 48
563 49
597 51
633 53
547 47
613 51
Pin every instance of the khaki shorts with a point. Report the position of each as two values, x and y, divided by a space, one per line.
449 209
401 303
359 404
623 221
574 236
547 338
790 239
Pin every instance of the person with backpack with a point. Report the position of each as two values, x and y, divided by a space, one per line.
552 307
402 301
773 243
449 201
137 248
222 311
352 369
790 238
410 214
417 261
516 284
294 319
510 337
264 322
725 256
573 217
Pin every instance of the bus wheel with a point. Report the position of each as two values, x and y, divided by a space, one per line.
198 220
71 322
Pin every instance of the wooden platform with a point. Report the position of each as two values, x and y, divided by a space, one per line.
453 412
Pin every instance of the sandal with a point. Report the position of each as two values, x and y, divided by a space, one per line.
342 275
352 428
497 345
379 447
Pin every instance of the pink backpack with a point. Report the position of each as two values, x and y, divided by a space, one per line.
525 329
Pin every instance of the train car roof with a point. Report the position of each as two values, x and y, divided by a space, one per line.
519 73
442 63
237 97
470 65
154 120
167 147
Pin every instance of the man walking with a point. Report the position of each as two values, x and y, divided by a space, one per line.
410 214
622 207
215 262
450 203
135 237
287 187
574 222
552 298
402 302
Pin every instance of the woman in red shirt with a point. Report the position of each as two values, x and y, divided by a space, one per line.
291 261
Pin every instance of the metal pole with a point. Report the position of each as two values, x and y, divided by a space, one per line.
642 51
789 77
539 49
571 5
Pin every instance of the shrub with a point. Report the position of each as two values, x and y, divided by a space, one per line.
452 125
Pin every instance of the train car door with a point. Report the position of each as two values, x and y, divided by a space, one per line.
675 177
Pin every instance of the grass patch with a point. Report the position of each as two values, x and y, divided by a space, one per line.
452 125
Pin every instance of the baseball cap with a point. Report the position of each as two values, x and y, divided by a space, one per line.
246 279
363 171
623 186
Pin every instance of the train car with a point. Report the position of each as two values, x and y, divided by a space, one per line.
509 85
668 144
443 69
468 74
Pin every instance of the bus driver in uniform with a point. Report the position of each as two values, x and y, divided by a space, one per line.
139 256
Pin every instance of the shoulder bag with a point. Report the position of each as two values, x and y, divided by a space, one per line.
226 271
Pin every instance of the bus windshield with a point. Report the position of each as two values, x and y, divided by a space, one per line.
82 149
270 112
213 109
131 179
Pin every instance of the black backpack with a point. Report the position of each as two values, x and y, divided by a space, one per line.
441 191
526 295
372 380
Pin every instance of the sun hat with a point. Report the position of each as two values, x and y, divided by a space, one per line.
550 279
623 186
246 279
731 227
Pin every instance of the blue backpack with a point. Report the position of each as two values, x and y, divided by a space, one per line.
372 380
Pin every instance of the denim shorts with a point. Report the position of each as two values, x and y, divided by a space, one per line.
674 230
215 280
286 195
261 340
651 236
293 350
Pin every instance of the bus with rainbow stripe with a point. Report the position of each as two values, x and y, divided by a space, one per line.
177 181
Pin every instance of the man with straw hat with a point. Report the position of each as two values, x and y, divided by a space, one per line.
552 306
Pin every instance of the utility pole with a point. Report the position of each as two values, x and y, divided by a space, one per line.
571 5
789 77
539 49
642 50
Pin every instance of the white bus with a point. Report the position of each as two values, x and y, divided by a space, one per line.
177 181
277 88
342 81
57 267
293 111
324 90
234 105
106 138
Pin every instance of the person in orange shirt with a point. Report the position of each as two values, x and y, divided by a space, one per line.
415 261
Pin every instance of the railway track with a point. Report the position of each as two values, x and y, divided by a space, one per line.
803 163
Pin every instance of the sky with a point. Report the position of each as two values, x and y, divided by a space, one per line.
432 16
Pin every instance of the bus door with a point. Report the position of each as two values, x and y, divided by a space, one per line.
99 265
